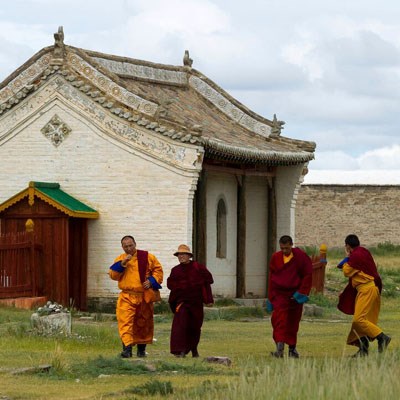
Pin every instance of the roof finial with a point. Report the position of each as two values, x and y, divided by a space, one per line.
187 61
59 43
277 126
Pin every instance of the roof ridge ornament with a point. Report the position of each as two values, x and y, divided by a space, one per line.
277 127
59 47
187 61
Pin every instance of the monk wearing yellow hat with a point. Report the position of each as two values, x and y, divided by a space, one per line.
190 285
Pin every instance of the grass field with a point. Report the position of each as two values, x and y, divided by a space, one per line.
86 365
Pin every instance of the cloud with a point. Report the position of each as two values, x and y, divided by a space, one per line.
358 177
384 158
333 160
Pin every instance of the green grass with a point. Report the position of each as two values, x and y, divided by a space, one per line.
86 365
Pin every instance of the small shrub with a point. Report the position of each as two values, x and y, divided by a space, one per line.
323 301
152 388
18 330
224 302
391 282
310 250
235 313
385 249
58 361
162 307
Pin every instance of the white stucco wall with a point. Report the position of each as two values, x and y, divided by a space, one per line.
287 187
223 269
256 235
134 193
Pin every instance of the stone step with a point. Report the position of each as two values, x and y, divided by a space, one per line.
27 303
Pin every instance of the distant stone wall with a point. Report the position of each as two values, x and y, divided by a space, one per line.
328 213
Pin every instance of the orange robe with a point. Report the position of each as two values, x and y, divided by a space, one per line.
135 304
367 305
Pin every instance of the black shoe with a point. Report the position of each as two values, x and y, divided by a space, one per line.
383 342
293 352
278 353
195 353
363 345
360 353
126 351
141 350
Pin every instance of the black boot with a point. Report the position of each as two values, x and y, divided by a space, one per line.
278 353
383 341
293 352
363 347
126 351
141 350
195 353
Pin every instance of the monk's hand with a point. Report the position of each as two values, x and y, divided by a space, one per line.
147 284
125 261
269 307
300 298
344 261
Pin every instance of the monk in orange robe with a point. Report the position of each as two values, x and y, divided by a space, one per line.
361 297
139 275
289 284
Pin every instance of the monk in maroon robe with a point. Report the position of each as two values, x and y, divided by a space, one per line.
290 279
189 283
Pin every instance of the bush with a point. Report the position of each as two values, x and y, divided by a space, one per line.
386 249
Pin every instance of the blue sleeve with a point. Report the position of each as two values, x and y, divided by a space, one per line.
154 284
117 267
344 261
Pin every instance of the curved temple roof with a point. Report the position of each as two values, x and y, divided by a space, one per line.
174 101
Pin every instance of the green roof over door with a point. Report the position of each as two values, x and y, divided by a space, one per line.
53 195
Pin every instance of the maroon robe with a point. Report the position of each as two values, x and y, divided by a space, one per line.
190 288
284 281
361 259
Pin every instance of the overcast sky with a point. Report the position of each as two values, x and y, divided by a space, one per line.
329 68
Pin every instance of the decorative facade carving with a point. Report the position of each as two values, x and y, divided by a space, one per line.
142 139
107 85
143 71
10 92
56 130
228 108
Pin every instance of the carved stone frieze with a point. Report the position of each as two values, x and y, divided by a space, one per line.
25 78
22 111
228 108
107 85
145 141
56 130
143 71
